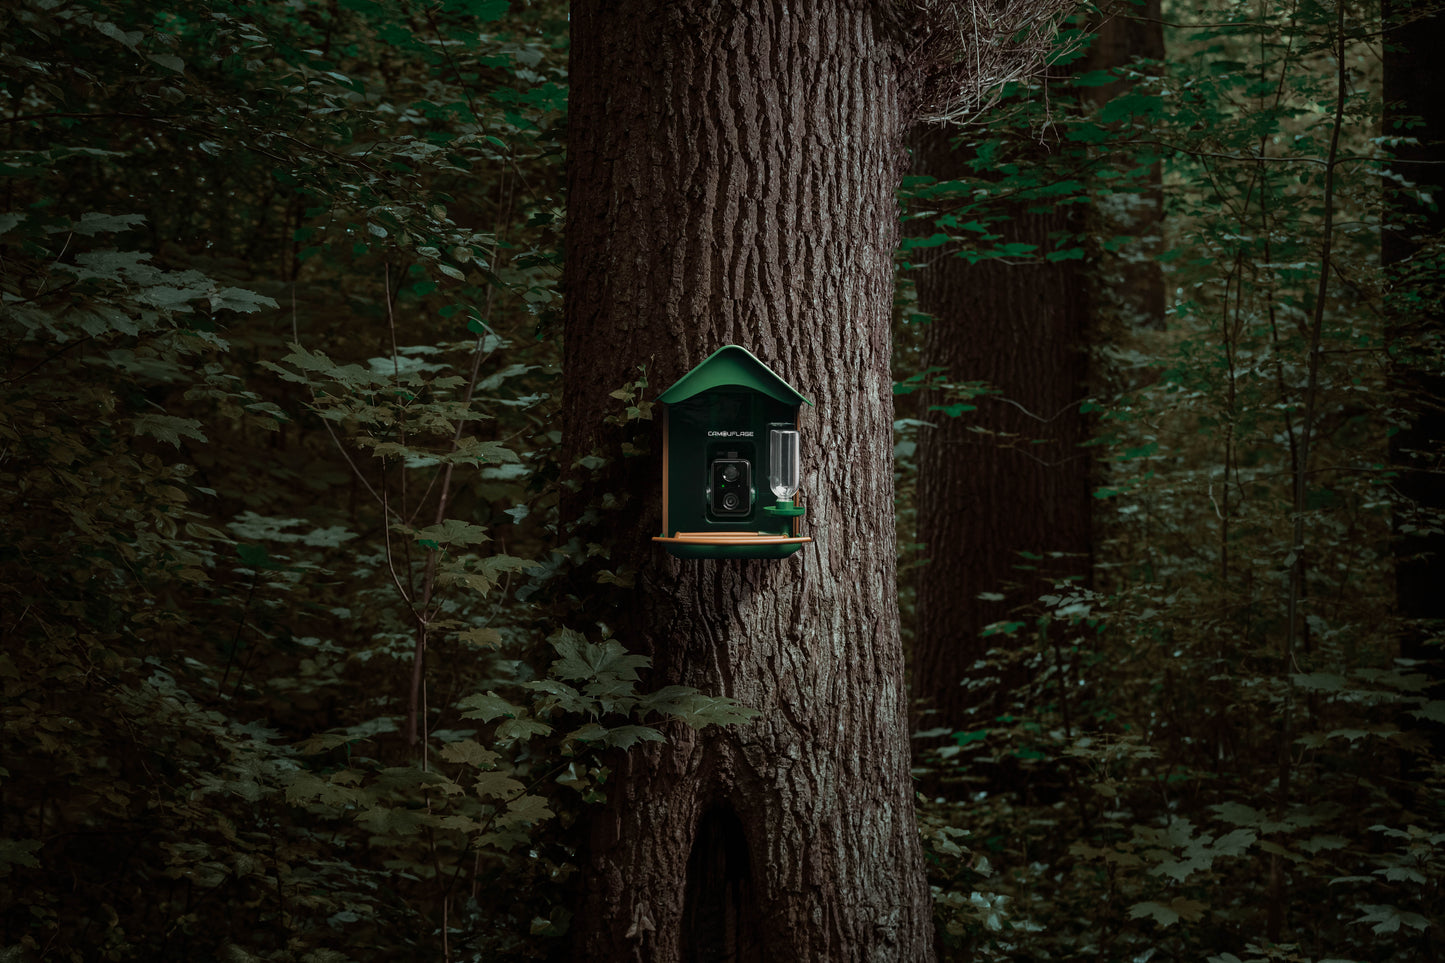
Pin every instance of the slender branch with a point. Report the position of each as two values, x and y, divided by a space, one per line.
1316 333
414 707
1039 418
46 360
240 627
1307 419
391 556
336 439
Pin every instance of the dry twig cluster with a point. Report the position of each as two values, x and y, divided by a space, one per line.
967 51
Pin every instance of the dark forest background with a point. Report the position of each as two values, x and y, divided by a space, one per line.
300 663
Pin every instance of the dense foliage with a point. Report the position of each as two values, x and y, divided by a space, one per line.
1219 752
288 669
298 664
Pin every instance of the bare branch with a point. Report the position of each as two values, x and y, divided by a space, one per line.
967 52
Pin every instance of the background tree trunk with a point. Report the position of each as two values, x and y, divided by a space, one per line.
1413 247
1020 485
732 180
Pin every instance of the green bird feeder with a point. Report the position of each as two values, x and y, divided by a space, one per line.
731 461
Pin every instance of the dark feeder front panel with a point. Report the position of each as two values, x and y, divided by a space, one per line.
711 441
717 421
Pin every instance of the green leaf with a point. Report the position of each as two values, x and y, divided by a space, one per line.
481 637
480 575
1402 874
475 451
331 537
323 742
488 706
1239 814
521 729
239 299
469 752
1234 843
590 732
625 737
694 708
563 696
496 785
581 659
385 821
1432 711
168 61
1094 78
95 223
527 809
1129 106
18 852
349 376
1388 919
168 428
304 787
933 240
1319 681
1160 913
1178 908
453 532
170 298
128 38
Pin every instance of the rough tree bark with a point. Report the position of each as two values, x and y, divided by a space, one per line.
732 179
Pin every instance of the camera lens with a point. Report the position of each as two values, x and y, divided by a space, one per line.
729 486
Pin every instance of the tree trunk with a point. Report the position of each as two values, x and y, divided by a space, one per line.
1022 484
732 179
1413 248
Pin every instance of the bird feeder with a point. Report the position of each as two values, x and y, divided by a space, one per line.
731 461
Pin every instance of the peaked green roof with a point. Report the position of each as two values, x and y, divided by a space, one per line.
732 366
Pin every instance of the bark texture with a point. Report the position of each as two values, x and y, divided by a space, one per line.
732 174
1021 484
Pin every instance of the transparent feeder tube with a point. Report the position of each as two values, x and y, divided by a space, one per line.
784 464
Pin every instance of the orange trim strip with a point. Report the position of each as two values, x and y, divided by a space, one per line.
731 538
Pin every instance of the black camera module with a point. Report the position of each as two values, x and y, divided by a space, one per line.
730 488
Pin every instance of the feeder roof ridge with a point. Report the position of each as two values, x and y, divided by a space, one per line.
732 366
